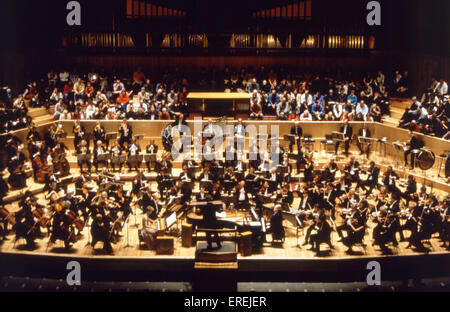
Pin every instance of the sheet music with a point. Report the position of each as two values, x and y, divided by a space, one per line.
222 214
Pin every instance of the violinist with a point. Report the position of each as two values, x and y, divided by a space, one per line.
164 165
125 134
122 199
216 192
393 209
186 176
274 180
330 171
372 178
62 227
137 184
411 188
313 214
24 226
328 199
352 169
100 232
384 232
349 217
240 199
286 197
389 180
206 175
412 215
83 149
307 200
355 232
99 150
189 163
322 235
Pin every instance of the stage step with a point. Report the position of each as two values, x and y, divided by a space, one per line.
35 112
227 254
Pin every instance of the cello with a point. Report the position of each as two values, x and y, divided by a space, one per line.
41 168
60 162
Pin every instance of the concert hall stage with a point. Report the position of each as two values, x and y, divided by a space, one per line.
289 263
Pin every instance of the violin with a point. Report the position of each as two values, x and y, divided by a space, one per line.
8 216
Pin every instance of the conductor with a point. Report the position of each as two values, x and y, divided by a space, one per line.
210 222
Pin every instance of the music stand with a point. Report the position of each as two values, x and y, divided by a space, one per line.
338 137
135 159
138 137
104 157
118 159
83 157
365 142
110 136
400 149
290 138
149 158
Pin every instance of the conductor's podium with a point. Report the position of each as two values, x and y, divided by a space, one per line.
219 103
224 257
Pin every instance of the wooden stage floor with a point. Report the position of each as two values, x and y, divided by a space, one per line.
286 259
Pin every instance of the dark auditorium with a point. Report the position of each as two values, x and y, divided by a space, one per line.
198 146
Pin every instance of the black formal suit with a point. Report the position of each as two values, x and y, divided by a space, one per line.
372 179
306 202
348 132
149 202
276 226
414 144
297 131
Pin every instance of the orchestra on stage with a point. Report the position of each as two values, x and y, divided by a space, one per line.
357 201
